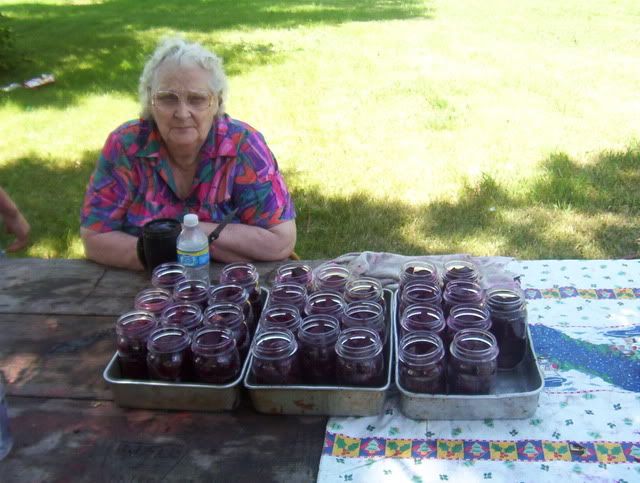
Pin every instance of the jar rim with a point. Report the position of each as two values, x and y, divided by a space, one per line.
194 311
490 352
123 327
296 288
502 298
429 270
182 342
436 354
153 293
326 321
292 266
291 311
357 282
372 349
226 344
250 275
168 267
234 310
287 349
367 305
329 267
240 291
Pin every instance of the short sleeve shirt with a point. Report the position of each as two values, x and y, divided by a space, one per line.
133 182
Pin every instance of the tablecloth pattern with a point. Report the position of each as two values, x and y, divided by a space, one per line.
585 324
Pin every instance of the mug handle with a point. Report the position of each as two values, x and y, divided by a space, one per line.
140 252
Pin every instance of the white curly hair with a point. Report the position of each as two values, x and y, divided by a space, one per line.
179 51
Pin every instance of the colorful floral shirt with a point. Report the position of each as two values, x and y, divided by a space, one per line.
133 182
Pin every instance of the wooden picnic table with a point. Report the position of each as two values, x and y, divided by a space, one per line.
57 321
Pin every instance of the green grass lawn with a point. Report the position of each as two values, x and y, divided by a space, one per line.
416 126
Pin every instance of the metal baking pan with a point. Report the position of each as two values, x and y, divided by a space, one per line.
188 396
516 396
326 400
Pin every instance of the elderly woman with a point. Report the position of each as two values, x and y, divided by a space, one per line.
186 155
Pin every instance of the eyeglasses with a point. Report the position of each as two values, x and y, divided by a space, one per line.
170 100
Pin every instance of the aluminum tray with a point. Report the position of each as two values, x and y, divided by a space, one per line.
516 397
148 394
325 400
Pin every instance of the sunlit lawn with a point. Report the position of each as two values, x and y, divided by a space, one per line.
495 127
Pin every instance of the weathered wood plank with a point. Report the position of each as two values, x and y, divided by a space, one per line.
62 439
56 356
56 286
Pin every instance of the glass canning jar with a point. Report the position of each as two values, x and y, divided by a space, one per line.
508 311
192 291
332 277
460 270
365 314
330 303
182 314
153 300
237 294
459 292
216 359
473 364
421 363
364 289
418 271
167 275
132 331
288 294
295 272
422 318
465 317
281 317
168 354
230 316
419 293
360 361
317 338
275 357
245 274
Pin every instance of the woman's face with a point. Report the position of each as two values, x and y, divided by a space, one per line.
183 107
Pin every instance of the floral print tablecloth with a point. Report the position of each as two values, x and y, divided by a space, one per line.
585 324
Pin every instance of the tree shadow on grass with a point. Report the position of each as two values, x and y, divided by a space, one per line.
596 200
599 202
101 47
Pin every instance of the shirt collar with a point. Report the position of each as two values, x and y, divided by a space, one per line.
219 142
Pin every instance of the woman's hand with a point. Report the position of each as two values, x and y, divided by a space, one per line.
19 226
14 221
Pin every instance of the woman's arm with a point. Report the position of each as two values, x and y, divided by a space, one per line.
239 242
114 248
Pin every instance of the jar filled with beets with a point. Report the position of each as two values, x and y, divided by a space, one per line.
317 338
421 363
216 359
473 364
508 311
168 354
360 360
275 357
132 331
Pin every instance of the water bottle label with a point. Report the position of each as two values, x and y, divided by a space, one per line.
194 259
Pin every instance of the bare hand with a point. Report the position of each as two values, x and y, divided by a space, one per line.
19 226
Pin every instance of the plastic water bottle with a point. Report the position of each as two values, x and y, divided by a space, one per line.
193 249
6 440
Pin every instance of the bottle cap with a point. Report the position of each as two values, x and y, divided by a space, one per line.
190 220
